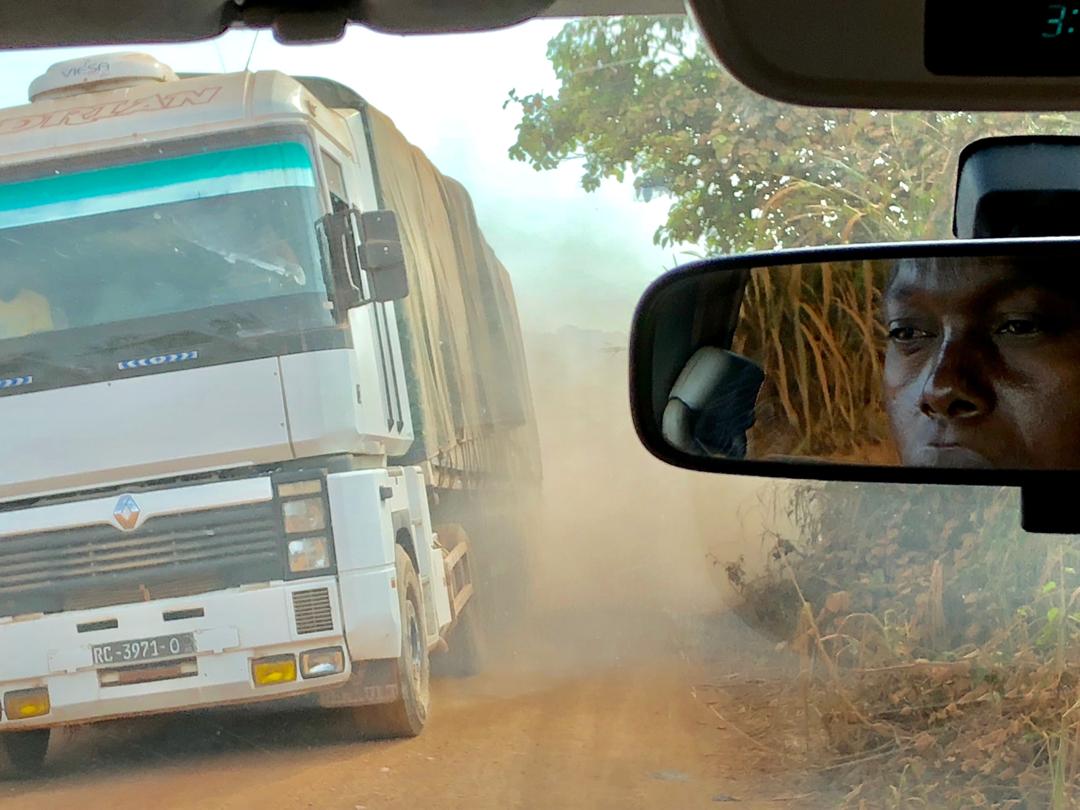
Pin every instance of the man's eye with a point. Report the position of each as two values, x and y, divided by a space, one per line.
1019 326
906 334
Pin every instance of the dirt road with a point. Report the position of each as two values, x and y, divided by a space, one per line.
628 688
625 726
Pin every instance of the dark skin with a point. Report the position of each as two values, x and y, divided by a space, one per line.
982 365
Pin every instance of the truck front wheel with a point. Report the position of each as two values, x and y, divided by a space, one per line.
407 715
26 750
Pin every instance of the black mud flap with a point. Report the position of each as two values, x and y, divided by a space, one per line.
371 683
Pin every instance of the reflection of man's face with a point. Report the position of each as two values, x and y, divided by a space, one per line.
982 365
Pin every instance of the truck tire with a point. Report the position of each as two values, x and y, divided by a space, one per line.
26 750
406 716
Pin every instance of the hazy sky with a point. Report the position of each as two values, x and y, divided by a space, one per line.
575 258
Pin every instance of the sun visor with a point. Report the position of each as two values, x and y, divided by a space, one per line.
882 54
126 21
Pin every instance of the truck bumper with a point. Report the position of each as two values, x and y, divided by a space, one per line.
230 629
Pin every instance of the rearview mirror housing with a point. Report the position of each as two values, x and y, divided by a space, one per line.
807 363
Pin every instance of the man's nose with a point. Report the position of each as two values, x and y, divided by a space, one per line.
956 386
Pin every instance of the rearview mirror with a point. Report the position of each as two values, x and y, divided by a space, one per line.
951 361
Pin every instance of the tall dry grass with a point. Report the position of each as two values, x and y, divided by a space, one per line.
816 330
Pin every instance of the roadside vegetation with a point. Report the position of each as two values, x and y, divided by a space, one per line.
938 645
641 98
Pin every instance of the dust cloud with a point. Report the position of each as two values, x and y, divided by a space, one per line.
627 562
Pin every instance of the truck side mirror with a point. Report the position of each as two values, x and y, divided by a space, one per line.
382 255
366 256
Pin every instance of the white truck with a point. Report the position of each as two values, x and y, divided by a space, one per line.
250 339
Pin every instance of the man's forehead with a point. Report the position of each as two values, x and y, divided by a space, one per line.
975 278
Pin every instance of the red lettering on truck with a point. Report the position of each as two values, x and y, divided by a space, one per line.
182 98
20 123
75 116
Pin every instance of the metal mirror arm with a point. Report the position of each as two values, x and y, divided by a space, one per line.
1017 186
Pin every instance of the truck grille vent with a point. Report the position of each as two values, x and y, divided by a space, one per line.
312 610
168 556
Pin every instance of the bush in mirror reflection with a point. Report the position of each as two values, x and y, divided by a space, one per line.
809 328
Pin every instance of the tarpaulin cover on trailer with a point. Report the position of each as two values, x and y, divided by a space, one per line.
465 362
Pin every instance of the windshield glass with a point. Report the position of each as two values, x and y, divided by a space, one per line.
84 246
248 531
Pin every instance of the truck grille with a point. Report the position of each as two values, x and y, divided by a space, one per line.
312 610
168 556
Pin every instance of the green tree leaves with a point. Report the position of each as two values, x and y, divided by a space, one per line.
642 96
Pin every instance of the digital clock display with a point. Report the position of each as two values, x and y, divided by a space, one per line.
1014 38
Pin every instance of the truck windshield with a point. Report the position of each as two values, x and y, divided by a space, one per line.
212 253
155 237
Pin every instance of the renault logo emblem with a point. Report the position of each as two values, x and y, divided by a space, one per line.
126 513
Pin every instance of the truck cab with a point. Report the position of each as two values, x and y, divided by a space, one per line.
202 384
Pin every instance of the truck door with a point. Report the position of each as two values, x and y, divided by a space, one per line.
387 348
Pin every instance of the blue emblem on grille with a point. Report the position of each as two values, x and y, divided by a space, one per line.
15 382
159 360
126 513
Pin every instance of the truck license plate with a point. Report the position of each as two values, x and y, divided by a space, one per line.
143 649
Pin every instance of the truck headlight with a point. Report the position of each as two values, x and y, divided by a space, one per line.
303 515
322 662
309 554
